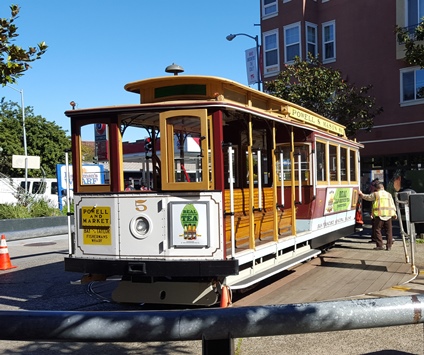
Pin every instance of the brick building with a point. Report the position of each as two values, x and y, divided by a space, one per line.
358 38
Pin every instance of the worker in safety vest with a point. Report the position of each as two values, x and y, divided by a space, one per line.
383 210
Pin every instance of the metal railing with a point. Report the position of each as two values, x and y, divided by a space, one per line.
217 328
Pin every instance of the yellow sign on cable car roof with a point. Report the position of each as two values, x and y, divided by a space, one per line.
208 87
317 121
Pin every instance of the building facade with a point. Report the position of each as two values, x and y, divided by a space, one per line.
358 38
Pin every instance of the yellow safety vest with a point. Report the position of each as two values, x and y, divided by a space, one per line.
383 205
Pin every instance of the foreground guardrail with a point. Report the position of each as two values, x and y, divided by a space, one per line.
217 328
25 228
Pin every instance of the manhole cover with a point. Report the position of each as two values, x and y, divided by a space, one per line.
41 244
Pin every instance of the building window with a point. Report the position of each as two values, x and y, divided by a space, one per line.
414 12
270 49
412 85
311 39
269 8
291 42
329 41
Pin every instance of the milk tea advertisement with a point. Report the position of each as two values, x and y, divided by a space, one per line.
189 224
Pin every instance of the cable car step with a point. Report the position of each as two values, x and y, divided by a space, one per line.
250 280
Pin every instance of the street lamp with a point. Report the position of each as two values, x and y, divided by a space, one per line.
24 131
230 37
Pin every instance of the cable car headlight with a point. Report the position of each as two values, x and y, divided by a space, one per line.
140 227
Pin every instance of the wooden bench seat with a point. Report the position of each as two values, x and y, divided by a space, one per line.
263 220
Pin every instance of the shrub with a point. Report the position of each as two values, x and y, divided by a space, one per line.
28 209
11 211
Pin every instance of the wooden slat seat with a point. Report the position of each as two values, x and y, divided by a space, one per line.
264 219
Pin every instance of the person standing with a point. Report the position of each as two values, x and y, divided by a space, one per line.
374 185
382 211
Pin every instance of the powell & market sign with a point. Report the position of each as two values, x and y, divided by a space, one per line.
316 121
96 223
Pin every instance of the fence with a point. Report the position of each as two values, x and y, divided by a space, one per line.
217 328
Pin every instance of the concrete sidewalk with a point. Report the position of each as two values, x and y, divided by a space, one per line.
396 340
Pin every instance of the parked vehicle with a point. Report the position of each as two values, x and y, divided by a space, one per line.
12 188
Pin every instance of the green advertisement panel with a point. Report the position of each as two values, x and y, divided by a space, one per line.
338 199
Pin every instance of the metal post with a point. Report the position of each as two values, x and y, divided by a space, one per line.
258 62
68 206
218 346
230 37
24 133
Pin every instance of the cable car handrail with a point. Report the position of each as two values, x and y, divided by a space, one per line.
282 178
299 162
231 177
259 155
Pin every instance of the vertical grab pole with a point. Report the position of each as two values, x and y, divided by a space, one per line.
148 173
259 180
293 183
282 177
299 162
314 170
251 188
144 173
68 206
231 177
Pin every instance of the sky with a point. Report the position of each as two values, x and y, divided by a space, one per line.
98 46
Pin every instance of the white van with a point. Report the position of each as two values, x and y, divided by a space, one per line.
40 188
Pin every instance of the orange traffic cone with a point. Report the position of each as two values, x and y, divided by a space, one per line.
225 302
4 255
358 216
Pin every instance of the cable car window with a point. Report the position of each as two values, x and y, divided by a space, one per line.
187 151
343 164
301 154
185 139
321 160
333 162
94 155
353 165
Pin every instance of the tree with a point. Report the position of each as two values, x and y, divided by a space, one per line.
44 139
414 51
323 90
14 60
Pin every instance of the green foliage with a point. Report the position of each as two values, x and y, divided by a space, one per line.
323 90
14 60
36 208
44 139
42 208
10 211
414 50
